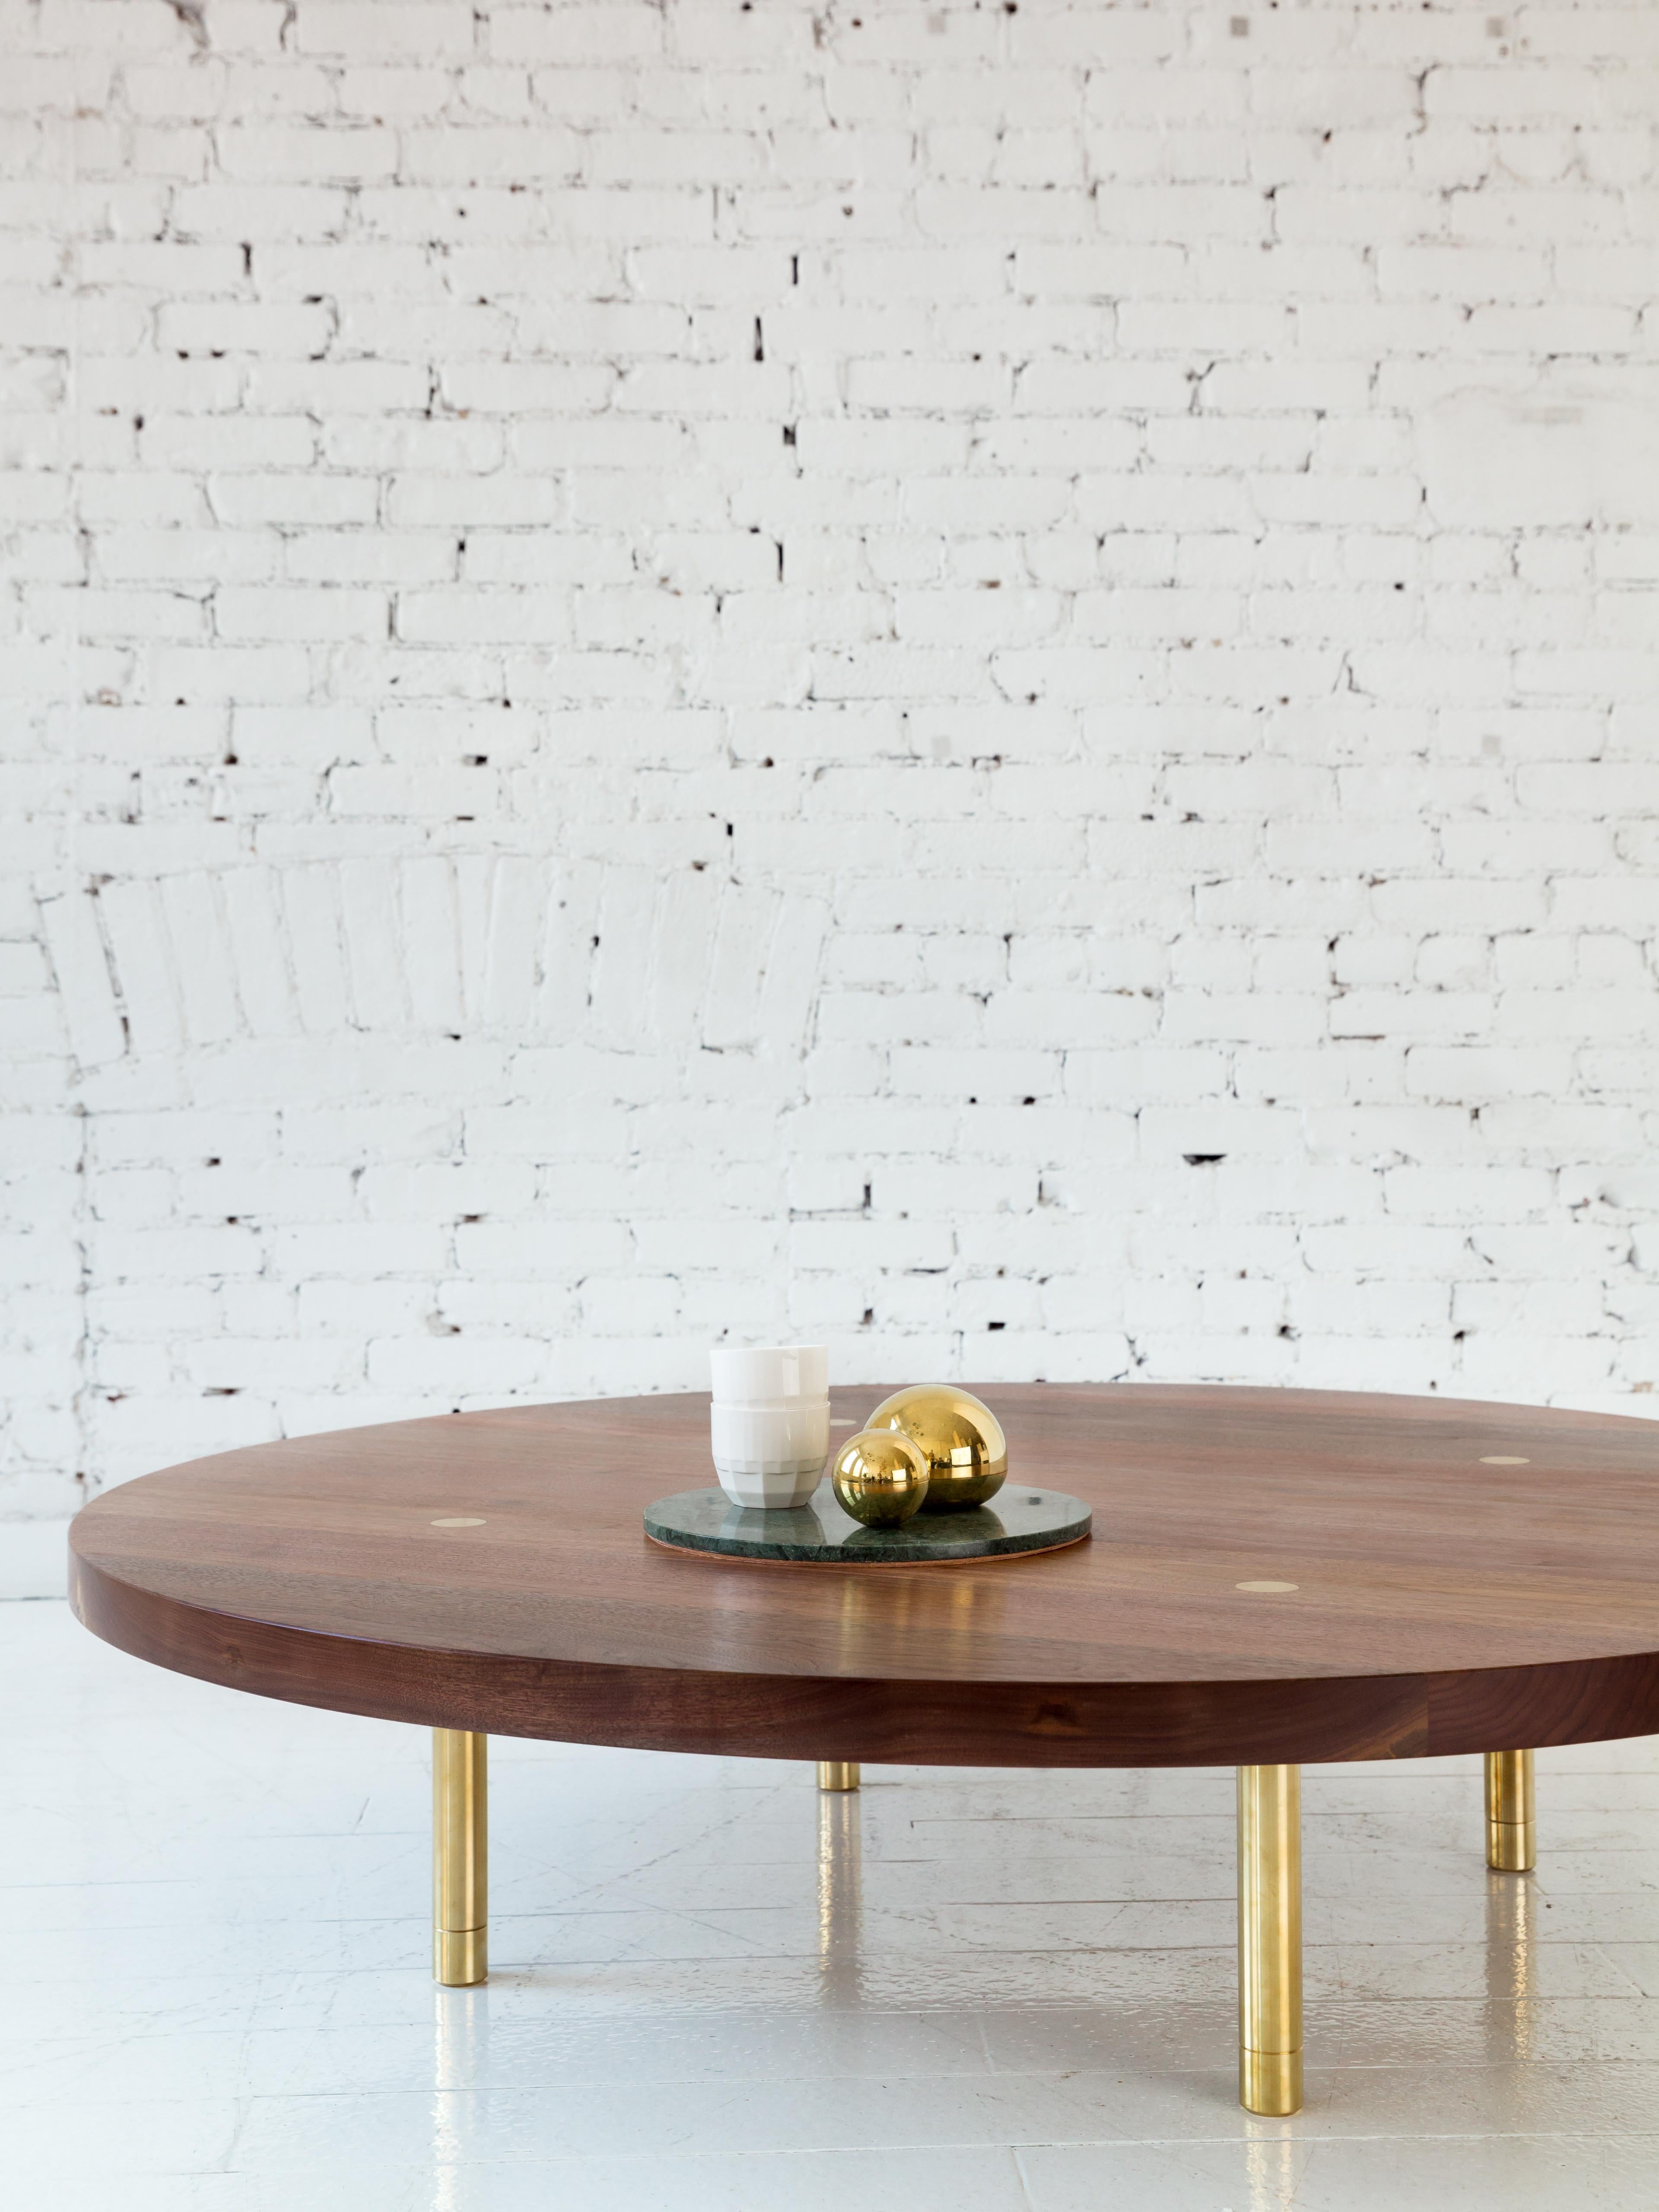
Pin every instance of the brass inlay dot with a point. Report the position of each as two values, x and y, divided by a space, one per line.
1503 1459
1268 1588
461 1521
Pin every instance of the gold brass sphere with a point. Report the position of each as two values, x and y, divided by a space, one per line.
879 1477
959 1437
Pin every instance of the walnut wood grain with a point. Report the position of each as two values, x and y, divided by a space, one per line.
1442 1605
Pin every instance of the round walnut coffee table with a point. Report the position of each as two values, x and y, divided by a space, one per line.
1274 1576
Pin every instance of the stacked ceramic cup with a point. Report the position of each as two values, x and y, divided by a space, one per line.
770 1422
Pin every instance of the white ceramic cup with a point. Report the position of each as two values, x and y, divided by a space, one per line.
769 1422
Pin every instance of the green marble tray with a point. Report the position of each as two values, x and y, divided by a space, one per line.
1018 1519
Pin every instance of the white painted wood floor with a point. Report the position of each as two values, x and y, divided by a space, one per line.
973 1991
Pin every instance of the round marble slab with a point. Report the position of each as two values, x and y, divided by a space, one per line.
1018 1519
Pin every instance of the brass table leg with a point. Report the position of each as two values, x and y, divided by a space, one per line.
460 1858
1270 1938
838 1774
1512 1845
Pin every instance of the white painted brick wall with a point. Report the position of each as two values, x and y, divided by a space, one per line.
977 679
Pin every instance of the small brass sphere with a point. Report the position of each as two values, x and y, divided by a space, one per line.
879 1478
959 1435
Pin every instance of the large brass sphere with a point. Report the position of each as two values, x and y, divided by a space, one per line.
879 1478
959 1436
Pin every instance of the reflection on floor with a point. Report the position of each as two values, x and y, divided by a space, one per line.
714 1987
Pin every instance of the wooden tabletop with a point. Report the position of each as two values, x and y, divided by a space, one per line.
1273 1576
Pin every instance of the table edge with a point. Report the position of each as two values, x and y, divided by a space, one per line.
1296 1720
